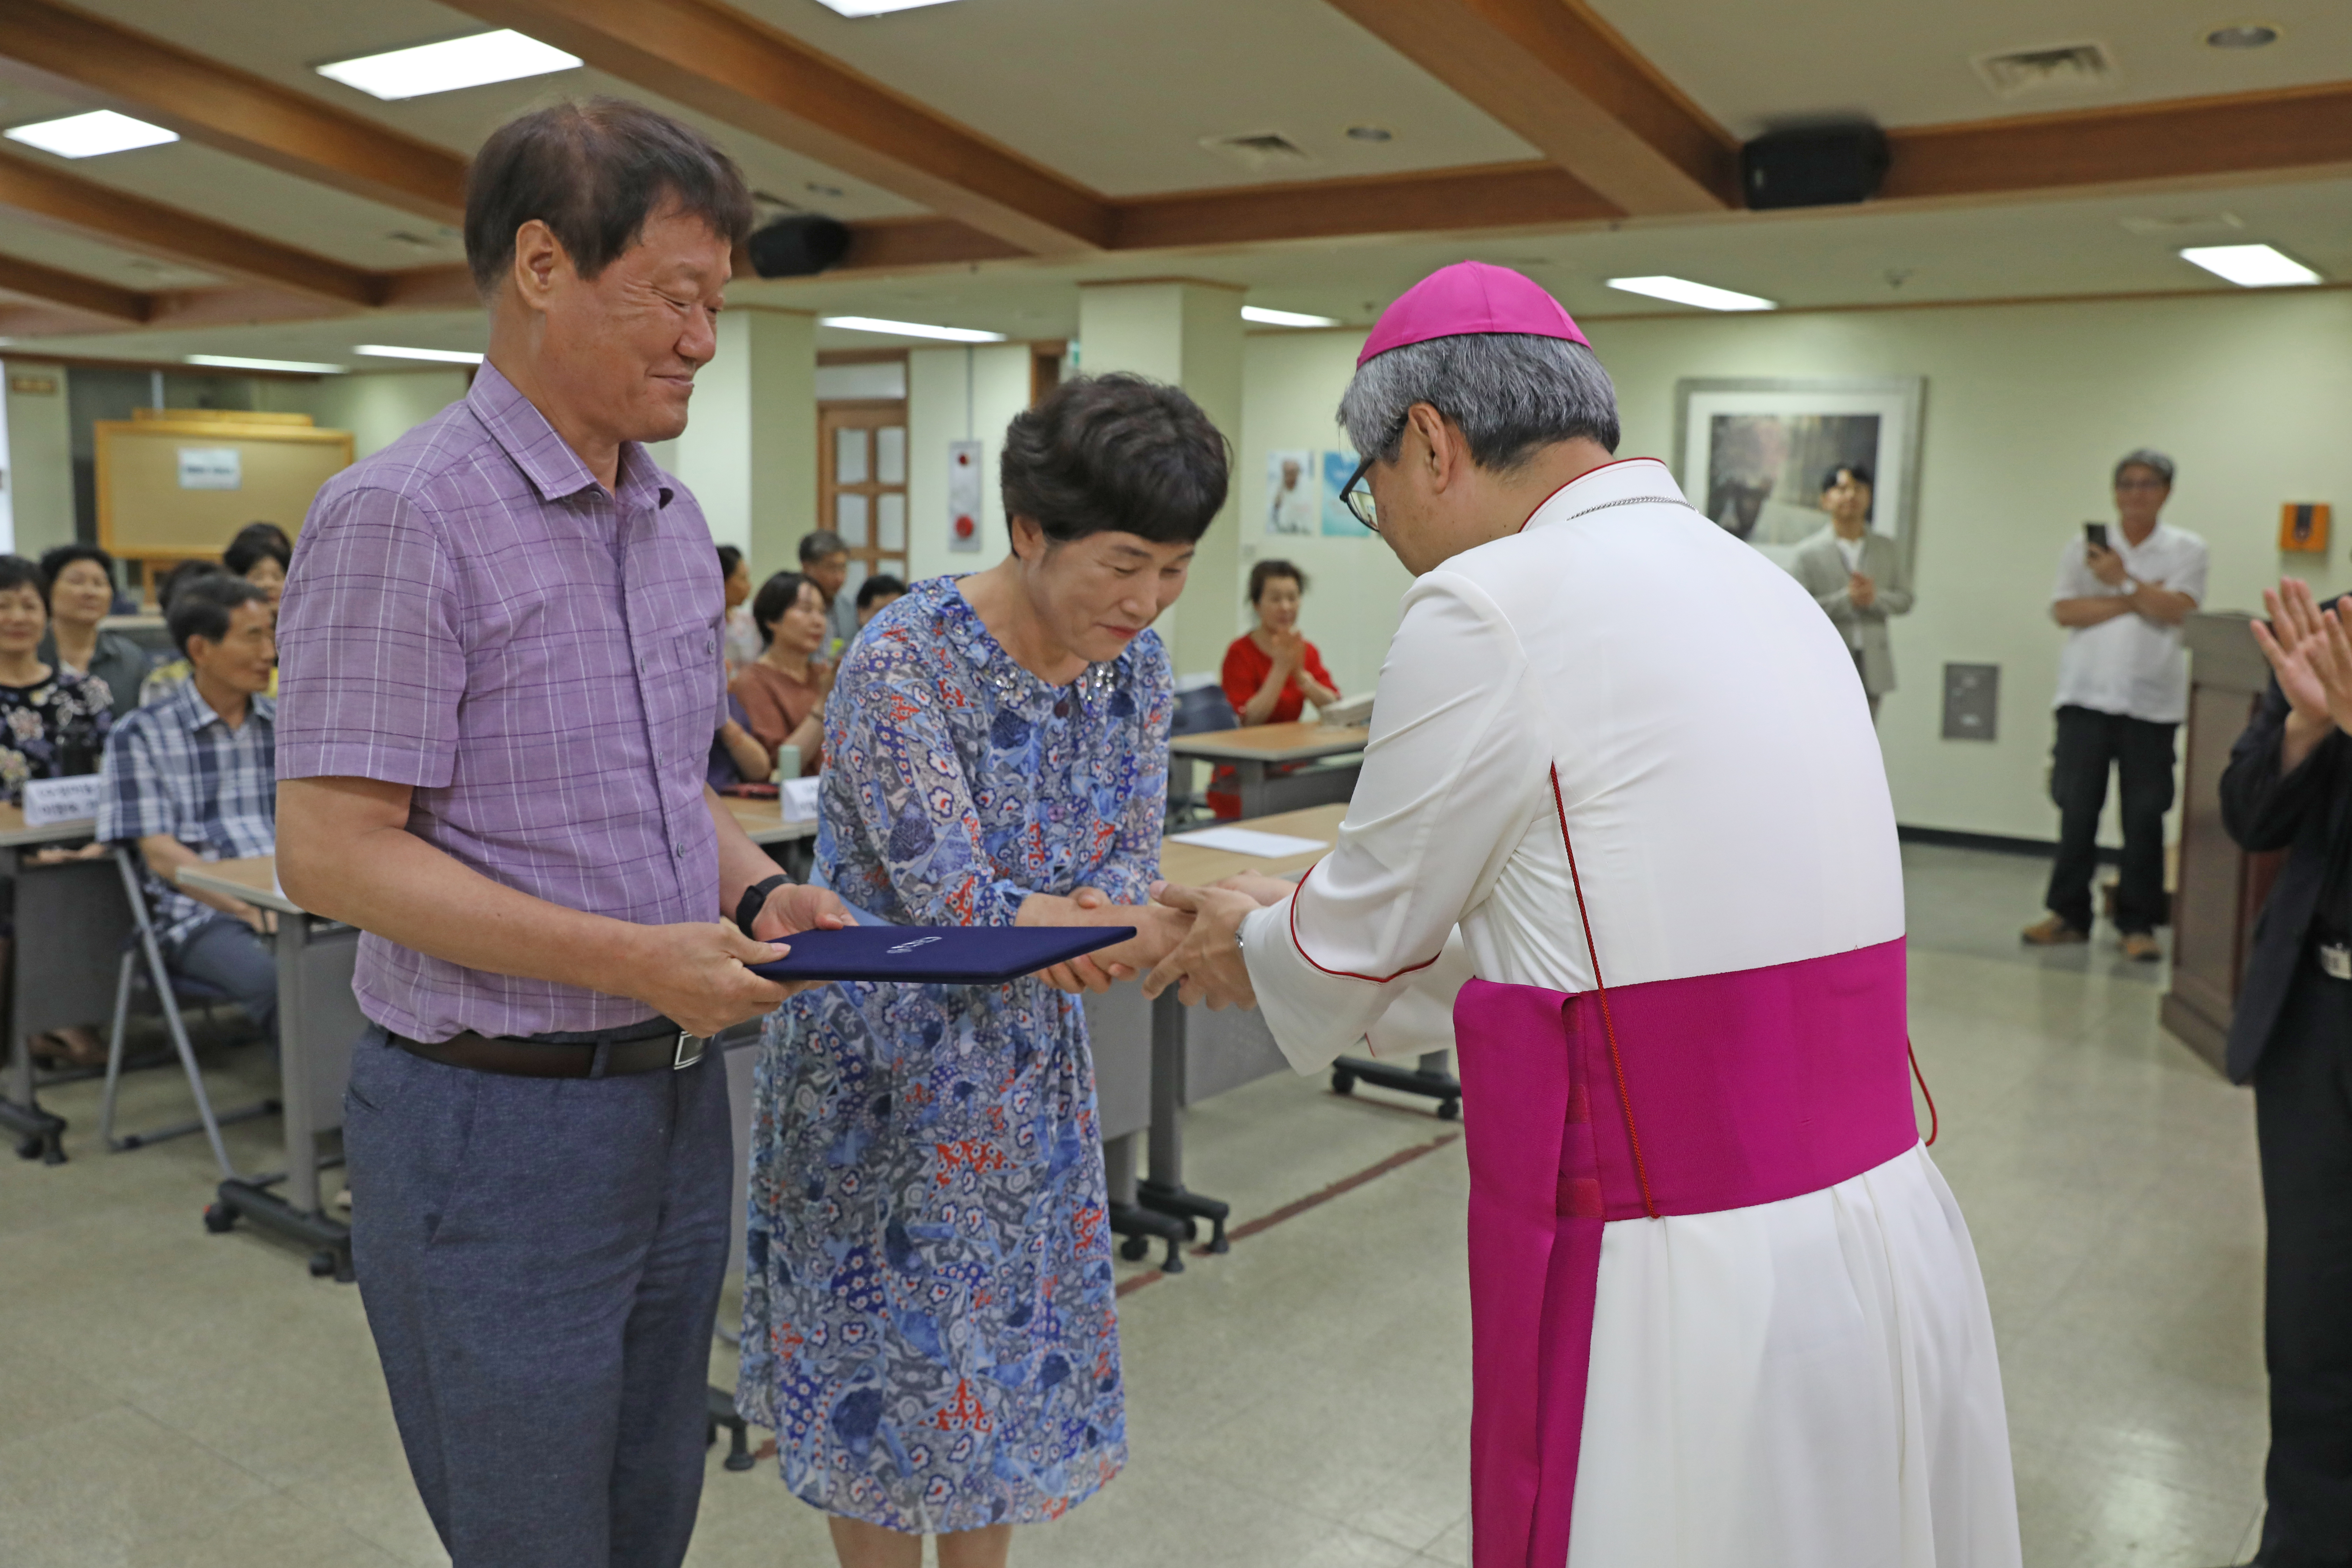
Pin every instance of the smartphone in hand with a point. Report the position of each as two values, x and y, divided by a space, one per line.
2094 534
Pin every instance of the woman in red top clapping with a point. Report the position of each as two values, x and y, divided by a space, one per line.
1271 672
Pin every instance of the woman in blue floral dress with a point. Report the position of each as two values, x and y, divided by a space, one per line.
927 1316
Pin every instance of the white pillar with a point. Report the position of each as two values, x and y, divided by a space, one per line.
749 453
37 458
1188 333
954 395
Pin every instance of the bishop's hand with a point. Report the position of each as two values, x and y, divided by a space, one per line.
1208 963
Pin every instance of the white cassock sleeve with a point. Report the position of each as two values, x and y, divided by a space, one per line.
1458 755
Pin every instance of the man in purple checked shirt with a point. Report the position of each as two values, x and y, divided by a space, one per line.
501 678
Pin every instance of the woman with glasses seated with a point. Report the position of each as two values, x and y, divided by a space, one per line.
1271 672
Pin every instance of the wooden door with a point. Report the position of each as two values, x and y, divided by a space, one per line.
862 484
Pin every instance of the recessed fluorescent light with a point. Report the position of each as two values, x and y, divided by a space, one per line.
1683 291
910 328
1265 318
88 135
2250 266
237 362
485 58
391 350
874 8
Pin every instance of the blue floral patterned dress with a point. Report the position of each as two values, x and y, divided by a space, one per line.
929 1325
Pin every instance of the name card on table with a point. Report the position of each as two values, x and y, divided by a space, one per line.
48 801
798 798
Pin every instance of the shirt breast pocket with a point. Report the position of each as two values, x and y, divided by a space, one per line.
692 693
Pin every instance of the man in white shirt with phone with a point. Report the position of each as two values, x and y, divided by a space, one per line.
2123 690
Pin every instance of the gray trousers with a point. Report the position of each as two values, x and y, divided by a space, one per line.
227 953
541 1261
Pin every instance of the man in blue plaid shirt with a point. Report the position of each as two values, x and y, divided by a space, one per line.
192 777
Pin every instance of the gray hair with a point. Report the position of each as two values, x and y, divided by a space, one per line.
823 542
1511 393
2150 459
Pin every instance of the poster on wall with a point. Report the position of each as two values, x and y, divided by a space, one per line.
1289 493
1752 454
1338 522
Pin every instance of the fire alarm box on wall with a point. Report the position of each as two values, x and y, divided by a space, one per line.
963 497
2303 527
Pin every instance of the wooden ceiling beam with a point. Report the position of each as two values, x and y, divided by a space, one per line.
1557 75
51 287
2294 130
1501 196
763 82
50 195
207 101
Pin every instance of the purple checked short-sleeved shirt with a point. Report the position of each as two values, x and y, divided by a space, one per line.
471 615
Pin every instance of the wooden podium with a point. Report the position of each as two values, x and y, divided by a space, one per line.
2220 886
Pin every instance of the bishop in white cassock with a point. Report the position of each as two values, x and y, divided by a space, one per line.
1622 837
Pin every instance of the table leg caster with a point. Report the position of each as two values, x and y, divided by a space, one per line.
219 1218
1137 1226
1342 1080
1182 1203
1449 1111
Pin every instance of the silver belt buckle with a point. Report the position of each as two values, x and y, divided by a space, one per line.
2336 960
688 1051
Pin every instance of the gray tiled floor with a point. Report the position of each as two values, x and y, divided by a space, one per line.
171 1397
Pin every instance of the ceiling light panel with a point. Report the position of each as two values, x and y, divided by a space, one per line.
502 56
91 135
875 7
1265 318
439 356
910 328
237 362
1683 291
2250 266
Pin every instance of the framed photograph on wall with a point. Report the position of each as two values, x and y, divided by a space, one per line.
1751 454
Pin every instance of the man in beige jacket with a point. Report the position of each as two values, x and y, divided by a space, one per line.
1850 571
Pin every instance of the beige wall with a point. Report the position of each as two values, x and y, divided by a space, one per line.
377 409
40 461
2027 409
958 394
749 453
1291 386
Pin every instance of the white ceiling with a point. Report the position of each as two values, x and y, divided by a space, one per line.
1753 65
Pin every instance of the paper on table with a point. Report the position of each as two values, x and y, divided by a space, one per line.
1250 841
798 799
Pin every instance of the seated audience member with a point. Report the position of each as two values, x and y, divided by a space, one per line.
171 672
874 593
1271 672
261 554
192 777
783 690
53 724
824 561
742 644
81 579
736 754
1851 572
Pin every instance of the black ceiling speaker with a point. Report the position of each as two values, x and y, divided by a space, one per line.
1818 166
799 246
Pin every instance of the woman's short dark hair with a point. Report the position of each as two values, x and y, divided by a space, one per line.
257 542
1115 453
594 173
777 595
55 559
1265 571
729 558
185 575
1861 472
881 585
15 571
201 608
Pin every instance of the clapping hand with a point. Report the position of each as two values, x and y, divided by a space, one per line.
1290 650
1861 590
2310 651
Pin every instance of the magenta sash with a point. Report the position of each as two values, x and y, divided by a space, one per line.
1741 1088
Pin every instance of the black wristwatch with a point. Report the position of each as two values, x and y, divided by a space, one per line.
746 908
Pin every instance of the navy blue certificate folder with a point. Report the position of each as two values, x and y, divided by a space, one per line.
941 955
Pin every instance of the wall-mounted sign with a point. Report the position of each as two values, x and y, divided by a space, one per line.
33 385
2303 527
211 469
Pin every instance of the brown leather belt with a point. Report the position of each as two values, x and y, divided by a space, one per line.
671 1048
